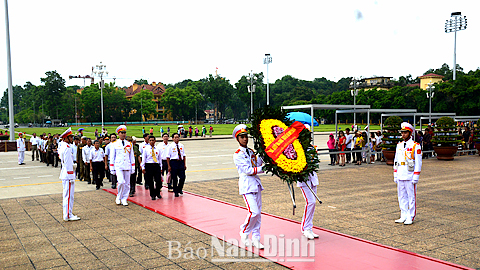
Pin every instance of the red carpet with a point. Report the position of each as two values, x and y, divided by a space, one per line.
331 251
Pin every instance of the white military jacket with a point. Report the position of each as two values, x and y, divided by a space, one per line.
66 156
312 180
121 156
409 150
248 166
21 144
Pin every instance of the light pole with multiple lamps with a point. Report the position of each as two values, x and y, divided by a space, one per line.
354 93
456 23
251 79
99 71
430 94
267 60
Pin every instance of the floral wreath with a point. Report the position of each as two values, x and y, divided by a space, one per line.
299 158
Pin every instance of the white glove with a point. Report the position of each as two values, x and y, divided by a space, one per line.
414 181
112 172
395 180
72 180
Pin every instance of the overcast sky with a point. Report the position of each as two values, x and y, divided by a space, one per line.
169 41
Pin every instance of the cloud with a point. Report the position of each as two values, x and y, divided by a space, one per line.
358 15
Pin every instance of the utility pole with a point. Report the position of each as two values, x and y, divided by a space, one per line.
9 73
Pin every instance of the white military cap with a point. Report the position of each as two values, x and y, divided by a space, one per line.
66 133
406 127
121 128
240 129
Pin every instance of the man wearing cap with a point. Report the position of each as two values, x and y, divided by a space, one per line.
122 164
67 175
249 185
21 149
407 168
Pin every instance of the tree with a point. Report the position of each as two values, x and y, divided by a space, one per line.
181 103
53 89
141 81
143 102
218 91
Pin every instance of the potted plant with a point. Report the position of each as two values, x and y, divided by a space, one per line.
446 138
391 137
476 136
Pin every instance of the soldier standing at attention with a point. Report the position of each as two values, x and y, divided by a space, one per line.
67 175
21 149
86 160
407 168
122 164
249 185
80 164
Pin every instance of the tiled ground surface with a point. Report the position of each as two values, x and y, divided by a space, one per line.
358 200
362 201
34 236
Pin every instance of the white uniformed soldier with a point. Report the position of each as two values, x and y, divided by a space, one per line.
67 175
122 164
407 168
310 201
21 149
249 185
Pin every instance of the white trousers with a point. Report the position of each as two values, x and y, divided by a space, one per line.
407 195
123 184
21 157
68 191
254 219
310 200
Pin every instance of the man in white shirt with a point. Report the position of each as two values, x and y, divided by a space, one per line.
164 147
21 149
122 164
378 141
113 177
86 160
177 164
151 167
67 175
349 144
141 146
97 157
34 142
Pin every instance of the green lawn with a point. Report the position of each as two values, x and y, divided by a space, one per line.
136 130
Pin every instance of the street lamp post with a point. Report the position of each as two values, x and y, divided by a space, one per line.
430 94
251 78
267 60
354 93
99 71
11 118
456 23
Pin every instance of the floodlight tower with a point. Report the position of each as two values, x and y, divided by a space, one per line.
456 23
99 71
267 60
251 79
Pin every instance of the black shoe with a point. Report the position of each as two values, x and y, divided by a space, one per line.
181 192
98 187
176 195
139 183
131 195
89 182
146 187
154 198
159 196
114 186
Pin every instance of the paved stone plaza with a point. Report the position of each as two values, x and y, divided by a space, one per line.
358 201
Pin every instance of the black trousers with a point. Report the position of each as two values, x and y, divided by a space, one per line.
348 156
113 179
165 172
153 172
358 154
98 170
333 157
133 185
178 174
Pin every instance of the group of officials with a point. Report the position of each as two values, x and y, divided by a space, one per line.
44 148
